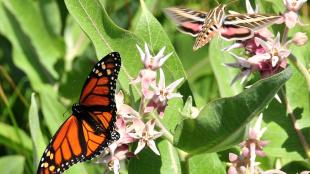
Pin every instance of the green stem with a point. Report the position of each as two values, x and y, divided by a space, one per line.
302 69
165 131
292 116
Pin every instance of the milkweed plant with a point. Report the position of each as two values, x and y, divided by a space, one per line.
236 107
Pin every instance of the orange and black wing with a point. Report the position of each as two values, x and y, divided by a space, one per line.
74 142
90 128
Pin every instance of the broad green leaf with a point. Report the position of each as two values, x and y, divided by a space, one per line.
283 144
76 42
207 163
53 111
107 37
52 22
23 56
223 75
31 22
12 164
35 130
221 123
296 167
147 161
9 138
150 30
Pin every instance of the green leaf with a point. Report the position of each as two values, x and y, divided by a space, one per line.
23 56
35 130
154 35
107 37
52 22
223 75
207 163
53 111
221 123
168 161
12 164
283 142
32 23
9 138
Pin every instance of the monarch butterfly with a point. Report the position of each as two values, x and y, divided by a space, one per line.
90 128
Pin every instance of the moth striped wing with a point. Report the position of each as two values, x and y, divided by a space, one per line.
211 27
188 21
251 21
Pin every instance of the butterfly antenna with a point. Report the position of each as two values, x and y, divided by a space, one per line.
65 113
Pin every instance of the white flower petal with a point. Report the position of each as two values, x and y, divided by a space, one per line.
147 54
173 85
249 8
163 60
278 98
263 43
258 123
142 55
152 146
174 95
141 145
161 83
116 166
160 54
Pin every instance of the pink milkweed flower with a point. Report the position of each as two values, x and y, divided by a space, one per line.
123 131
251 46
291 17
277 55
247 66
113 160
147 76
153 62
145 134
161 95
238 165
123 110
300 39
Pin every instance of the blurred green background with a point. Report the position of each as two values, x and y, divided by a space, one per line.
45 58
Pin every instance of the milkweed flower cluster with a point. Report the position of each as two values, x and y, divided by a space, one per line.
130 124
252 147
265 53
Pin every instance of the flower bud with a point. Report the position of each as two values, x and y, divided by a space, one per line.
300 39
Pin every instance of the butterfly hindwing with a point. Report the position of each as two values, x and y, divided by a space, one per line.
90 128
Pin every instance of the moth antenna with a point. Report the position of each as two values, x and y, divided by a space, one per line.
230 2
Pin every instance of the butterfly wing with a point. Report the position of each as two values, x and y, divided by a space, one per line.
188 21
88 131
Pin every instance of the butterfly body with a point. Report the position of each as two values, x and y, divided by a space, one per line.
90 128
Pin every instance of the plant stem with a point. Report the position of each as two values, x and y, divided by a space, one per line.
13 85
302 69
292 116
285 35
11 114
159 123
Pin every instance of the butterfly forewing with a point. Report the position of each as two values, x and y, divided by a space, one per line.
90 128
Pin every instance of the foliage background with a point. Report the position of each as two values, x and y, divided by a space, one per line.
45 57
